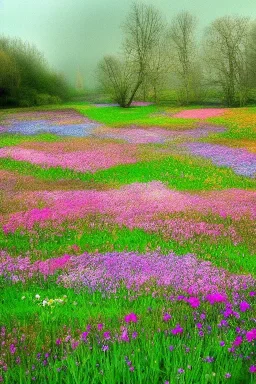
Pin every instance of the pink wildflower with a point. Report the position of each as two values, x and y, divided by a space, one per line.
131 318
216 298
194 302
177 330
238 340
244 306
100 327
125 336
166 317
251 335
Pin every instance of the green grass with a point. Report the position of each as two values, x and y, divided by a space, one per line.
149 353
141 116
9 140
222 253
181 173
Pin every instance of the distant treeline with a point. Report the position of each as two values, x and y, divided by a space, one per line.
25 77
167 60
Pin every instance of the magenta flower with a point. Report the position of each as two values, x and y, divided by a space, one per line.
228 375
244 306
106 335
238 340
84 336
125 336
252 369
12 349
216 298
177 330
100 327
58 341
74 345
194 302
251 335
166 317
228 312
222 343
131 318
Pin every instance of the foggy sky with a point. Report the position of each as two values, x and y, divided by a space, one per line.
78 33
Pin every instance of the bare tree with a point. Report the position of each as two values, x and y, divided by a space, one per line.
143 29
226 52
117 78
158 68
183 52
251 62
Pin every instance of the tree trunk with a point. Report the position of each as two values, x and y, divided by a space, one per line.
133 93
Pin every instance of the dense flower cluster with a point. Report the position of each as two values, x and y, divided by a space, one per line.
155 135
200 113
135 205
83 161
63 123
184 273
109 271
240 160
21 268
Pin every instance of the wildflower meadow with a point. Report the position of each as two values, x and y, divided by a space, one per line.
127 245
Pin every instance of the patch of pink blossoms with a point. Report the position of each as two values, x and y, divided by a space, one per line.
136 205
89 160
200 113
183 273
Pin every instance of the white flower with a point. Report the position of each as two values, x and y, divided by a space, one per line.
44 303
37 297
23 298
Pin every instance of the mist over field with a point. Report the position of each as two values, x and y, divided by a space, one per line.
76 34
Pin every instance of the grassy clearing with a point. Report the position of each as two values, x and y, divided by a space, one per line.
181 172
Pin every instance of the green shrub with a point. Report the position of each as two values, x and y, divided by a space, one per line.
43 99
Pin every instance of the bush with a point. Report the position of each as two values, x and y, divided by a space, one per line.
27 96
43 99
55 100
25 103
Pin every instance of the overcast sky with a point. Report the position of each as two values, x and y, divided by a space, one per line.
78 33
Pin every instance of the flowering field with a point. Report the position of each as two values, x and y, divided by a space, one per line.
127 245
